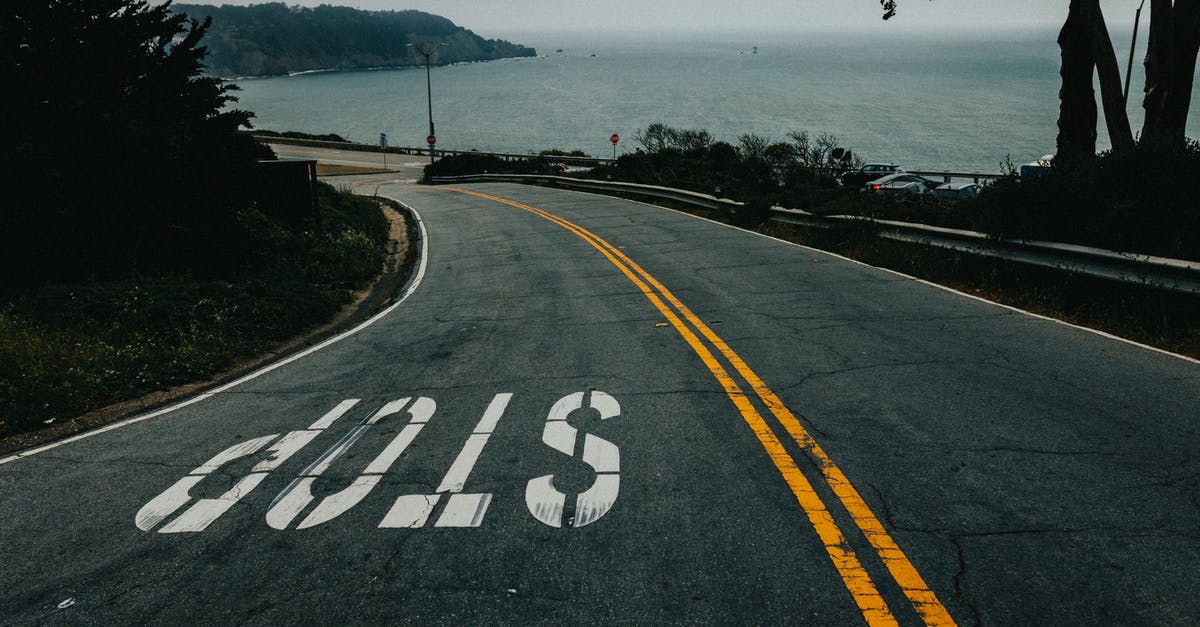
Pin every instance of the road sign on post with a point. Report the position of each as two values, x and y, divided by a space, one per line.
383 148
614 139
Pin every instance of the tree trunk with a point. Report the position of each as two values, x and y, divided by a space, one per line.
1186 22
1158 68
1115 116
1077 98
1170 68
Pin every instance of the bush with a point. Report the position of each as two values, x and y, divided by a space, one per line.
799 173
68 348
479 163
165 163
1140 201
326 137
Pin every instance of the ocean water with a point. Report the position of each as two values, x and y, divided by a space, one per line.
935 101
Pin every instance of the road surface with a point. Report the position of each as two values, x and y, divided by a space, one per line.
590 410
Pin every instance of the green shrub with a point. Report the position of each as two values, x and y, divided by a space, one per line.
1141 201
479 163
69 348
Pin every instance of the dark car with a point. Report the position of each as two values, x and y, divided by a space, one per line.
869 172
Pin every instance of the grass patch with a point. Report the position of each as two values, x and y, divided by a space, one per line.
66 349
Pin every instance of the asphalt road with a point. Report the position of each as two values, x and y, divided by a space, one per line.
407 167
590 410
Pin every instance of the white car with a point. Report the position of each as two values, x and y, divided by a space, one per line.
1036 169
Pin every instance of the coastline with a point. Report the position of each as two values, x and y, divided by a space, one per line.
374 68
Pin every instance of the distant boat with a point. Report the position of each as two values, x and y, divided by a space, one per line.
559 50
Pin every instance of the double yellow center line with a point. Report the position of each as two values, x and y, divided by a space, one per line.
866 595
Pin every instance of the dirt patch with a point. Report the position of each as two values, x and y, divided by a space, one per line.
331 169
402 248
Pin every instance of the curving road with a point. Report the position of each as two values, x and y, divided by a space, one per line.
592 410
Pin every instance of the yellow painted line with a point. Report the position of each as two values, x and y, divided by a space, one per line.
924 601
858 582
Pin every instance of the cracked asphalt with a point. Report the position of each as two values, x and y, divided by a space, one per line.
1032 472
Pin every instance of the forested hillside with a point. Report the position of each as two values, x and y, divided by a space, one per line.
271 39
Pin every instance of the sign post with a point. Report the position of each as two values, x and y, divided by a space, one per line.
614 139
383 148
431 140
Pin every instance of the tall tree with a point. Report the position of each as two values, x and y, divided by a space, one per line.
1077 98
124 154
1109 72
1170 68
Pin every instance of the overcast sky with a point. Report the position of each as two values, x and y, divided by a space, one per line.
492 18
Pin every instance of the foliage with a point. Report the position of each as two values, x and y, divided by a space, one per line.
659 137
558 152
797 173
276 38
482 163
1140 201
327 137
132 164
69 348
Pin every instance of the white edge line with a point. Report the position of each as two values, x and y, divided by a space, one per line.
901 274
412 287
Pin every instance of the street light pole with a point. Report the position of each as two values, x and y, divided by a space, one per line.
427 51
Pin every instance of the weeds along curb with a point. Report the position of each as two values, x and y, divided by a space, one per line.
389 291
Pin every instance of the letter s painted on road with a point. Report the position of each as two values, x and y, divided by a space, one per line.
546 503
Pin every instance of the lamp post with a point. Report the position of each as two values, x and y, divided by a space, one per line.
427 51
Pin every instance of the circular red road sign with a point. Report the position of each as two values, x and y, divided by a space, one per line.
431 140
615 138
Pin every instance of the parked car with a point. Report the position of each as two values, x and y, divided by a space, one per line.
868 172
904 188
1035 169
897 182
957 191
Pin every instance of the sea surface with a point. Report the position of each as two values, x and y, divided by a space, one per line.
941 101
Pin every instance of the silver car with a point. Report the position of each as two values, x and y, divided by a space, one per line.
901 182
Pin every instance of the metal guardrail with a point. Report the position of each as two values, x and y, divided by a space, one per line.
636 189
1170 274
948 176
424 152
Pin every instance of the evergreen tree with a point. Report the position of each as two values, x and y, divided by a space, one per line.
117 149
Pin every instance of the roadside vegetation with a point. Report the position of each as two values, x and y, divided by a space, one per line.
483 163
67 347
139 245
325 137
